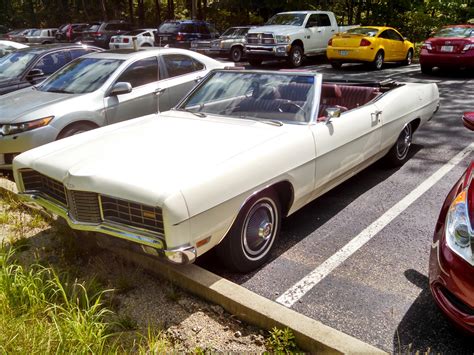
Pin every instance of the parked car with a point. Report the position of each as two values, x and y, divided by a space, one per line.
230 44
9 35
21 36
242 150
369 44
145 38
99 33
70 32
452 47
96 90
9 46
182 33
452 251
30 66
42 36
291 36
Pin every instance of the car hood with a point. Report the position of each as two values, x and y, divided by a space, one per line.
149 158
283 30
17 106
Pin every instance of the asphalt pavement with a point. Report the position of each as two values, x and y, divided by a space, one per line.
380 292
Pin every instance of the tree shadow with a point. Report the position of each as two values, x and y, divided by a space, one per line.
424 328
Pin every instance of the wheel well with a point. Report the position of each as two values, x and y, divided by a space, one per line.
299 43
415 124
237 45
285 192
75 123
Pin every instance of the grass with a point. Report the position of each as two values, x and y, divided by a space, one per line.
282 341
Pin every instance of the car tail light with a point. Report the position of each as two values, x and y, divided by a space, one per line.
330 42
468 47
427 45
112 40
96 34
364 42
125 40
179 37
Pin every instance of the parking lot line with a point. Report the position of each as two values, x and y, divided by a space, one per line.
299 289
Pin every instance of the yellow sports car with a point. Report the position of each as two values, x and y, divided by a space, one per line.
369 44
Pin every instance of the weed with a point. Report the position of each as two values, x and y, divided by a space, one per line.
126 323
155 343
281 341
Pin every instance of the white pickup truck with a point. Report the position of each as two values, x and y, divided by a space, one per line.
291 36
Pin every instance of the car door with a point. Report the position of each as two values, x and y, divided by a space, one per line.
386 44
49 63
398 45
317 33
345 142
142 100
179 74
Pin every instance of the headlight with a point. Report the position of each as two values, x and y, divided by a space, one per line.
459 234
282 39
468 46
8 129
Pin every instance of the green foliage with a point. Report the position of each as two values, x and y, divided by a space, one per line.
281 341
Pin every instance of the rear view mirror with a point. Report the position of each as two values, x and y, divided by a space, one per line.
468 120
34 73
120 88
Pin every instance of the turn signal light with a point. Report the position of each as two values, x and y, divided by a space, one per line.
179 37
364 43
330 42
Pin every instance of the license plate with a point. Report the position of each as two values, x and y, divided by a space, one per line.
447 48
164 38
343 52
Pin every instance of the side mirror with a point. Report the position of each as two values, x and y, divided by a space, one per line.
332 112
34 73
468 120
120 88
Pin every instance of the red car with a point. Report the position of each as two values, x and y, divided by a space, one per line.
450 47
452 252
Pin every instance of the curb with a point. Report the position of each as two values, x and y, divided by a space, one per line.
310 335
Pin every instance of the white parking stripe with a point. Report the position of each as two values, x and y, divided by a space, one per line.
298 290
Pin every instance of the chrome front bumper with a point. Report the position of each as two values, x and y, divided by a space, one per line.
151 243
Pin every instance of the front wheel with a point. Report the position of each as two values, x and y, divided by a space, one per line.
296 56
236 54
377 64
398 155
409 58
336 65
248 243
74 129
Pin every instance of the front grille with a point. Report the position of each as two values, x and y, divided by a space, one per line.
34 181
133 214
456 302
260 38
84 206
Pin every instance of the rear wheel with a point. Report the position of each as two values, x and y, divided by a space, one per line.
74 129
248 243
398 155
255 62
295 58
377 64
146 45
236 54
426 69
336 65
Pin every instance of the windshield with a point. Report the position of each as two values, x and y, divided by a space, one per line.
234 32
81 76
169 27
35 33
14 64
265 96
460 32
366 31
287 19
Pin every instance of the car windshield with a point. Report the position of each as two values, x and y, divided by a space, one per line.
234 32
169 27
35 33
135 32
14 64
81 76
460 32
287 19
366 31
279 97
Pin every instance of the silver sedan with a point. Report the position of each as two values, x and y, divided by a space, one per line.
96 90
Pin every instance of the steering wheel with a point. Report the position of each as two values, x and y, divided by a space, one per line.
291 103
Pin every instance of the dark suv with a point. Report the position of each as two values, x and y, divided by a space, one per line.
70 32
182 33
99 33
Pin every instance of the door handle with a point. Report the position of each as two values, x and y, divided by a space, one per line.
376 116
198 79
159 91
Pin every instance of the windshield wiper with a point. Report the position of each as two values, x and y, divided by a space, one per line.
59 91
266 121
199 114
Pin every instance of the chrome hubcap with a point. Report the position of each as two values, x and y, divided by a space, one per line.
379 61
259 229
297 57
404 142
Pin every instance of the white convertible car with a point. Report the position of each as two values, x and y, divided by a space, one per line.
241 151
